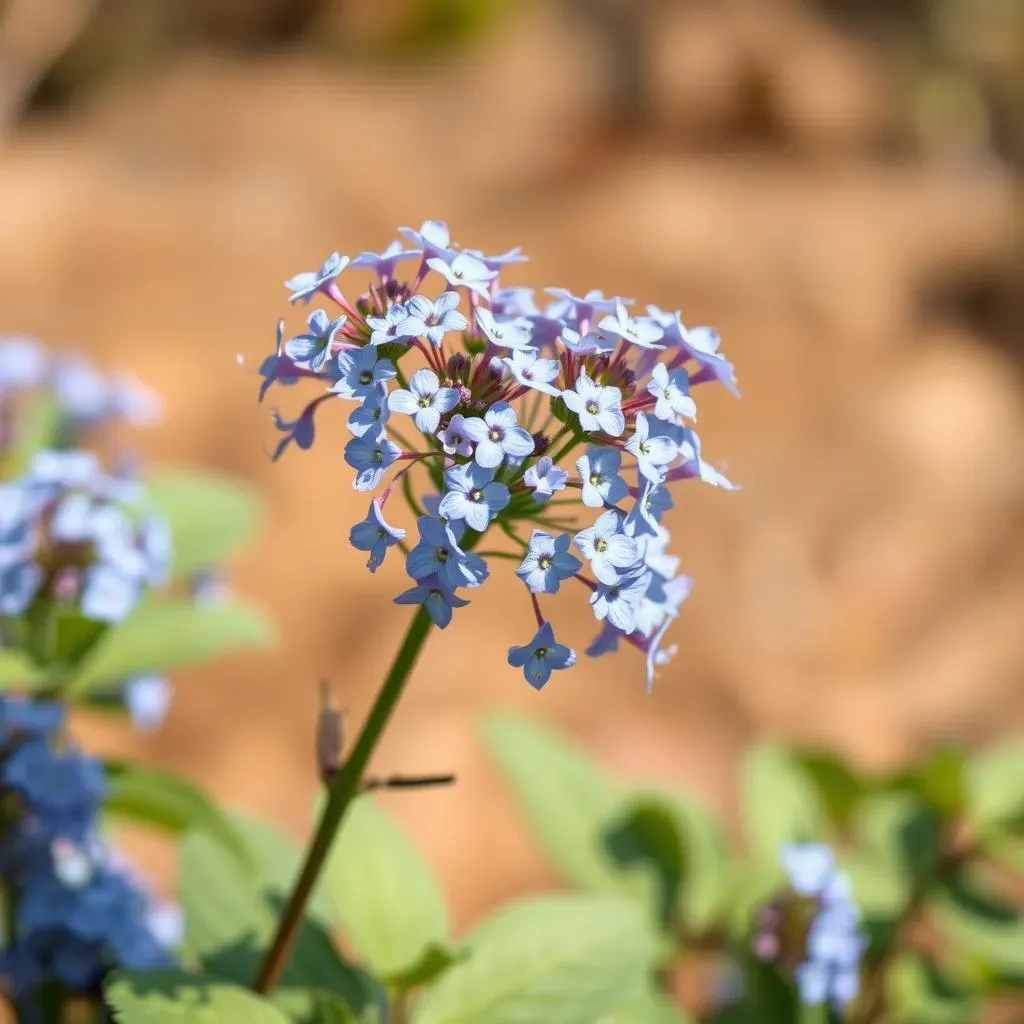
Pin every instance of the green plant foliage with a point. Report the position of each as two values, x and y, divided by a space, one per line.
39 426
386 898
995 787
172 997
140 794
164 634
919 993
559 959
779 803
209 517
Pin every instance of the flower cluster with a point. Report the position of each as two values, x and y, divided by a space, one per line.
77 909
85 397
523 414
816 930
69 538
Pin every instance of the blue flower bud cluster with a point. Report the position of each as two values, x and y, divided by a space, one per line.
76 909
826 921
508 392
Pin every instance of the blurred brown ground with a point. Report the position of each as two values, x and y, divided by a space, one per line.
864 589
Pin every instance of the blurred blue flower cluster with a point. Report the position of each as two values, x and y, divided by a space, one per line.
507 393
76 909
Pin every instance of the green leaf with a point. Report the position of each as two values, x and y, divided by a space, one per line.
384 894
974 918
39 427
767 997
684 845
160 635
900 832
231 915
779 803
838 788
558 959
649 1008
169 801
939 780
920 994
433 962
17 670
209 517
995 793
174 997
566 797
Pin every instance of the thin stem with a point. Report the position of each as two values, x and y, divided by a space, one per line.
341 792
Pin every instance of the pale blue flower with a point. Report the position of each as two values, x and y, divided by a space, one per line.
311 351
541 656
432 238
514 334
599 472
300 431
497 437
438 554
425 400
438 599
371 416
547 562
700 344
107 594
375 535
672 391
370 457
581 308
305 285
533 372
22 363
652 453
472 495
464 271
617 602
544 478
608 549
433 319
598 408
383 263
360 372
809 867
510 303
514 255
641 331
454 438
389 329
148 699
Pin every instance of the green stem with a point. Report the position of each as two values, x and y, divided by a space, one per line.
341 792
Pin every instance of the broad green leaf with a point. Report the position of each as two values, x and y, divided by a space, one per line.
559 959
160 635
169 801
231 915
174 997
838 788
17 670
384 894
919 994
649 1008
432 963
209 516
995 791
900 832
939 780
684 845
779 803
972 917
566 798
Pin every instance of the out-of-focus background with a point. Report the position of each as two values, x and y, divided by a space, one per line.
833 184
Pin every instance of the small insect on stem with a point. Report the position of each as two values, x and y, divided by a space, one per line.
330 734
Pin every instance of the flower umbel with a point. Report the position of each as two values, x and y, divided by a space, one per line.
524 413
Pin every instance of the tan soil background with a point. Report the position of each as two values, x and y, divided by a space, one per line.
864 590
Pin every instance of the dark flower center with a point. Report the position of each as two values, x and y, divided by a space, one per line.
476 495
592 407
366 377
494 434
545 562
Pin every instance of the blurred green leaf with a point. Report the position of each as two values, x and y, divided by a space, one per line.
172 997
384 894
779 803
900 832
160 635
920 994
566 798
169 801
17 670
684 845
767 997
231 915
39 427
838 788
995 790
558 959
209 516
940 779
649 1008
973 917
